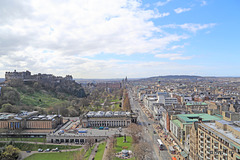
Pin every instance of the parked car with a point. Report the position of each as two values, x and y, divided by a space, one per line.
48 150
106 128
40 150
28 151
55 150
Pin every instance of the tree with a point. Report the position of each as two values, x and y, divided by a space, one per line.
110 153
9 108
142 150
126 103
135 131
10 153
10 95
78 156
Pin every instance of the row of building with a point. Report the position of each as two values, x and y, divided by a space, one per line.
200 124
29 120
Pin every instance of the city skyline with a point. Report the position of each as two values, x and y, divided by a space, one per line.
115 39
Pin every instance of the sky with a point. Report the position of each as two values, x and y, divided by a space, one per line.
118 38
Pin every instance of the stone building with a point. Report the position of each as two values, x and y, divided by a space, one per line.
29 120
108 119
219 140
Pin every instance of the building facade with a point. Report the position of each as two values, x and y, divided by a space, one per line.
29 120
219 140
108 119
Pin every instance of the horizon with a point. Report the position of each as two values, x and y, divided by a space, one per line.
112 39
136 78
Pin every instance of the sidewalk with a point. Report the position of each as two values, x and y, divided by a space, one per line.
92 155
167 142
105 151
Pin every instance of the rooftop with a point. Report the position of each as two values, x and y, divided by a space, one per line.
195 103
224 134
190 118
107 114
176 122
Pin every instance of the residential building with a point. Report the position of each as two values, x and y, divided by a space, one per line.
219 140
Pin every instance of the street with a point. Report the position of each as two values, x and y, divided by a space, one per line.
148 135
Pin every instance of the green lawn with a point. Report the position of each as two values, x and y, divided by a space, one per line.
53 156
100 151
88 153
24 139
120 144
35 147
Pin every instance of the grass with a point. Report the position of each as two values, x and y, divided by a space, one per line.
115 100
120 144
24 139
88 153
53 156
39 99
35 147
100 151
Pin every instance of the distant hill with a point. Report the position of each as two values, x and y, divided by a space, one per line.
178 77
173 77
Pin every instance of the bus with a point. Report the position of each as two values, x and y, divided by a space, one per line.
160 144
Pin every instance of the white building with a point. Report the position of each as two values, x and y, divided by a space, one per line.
157 111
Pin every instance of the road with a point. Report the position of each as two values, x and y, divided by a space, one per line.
149 136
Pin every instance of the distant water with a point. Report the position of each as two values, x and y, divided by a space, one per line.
2 80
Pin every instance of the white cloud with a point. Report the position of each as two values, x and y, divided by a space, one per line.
195 27
204 3
162 3
192 27
180 10
57 36
173 56
177 46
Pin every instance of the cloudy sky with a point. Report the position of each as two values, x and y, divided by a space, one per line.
118 38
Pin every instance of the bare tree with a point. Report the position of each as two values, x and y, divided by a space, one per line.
142 150
78 156
126 102
135 131
110 153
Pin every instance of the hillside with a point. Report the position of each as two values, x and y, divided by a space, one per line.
40 98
